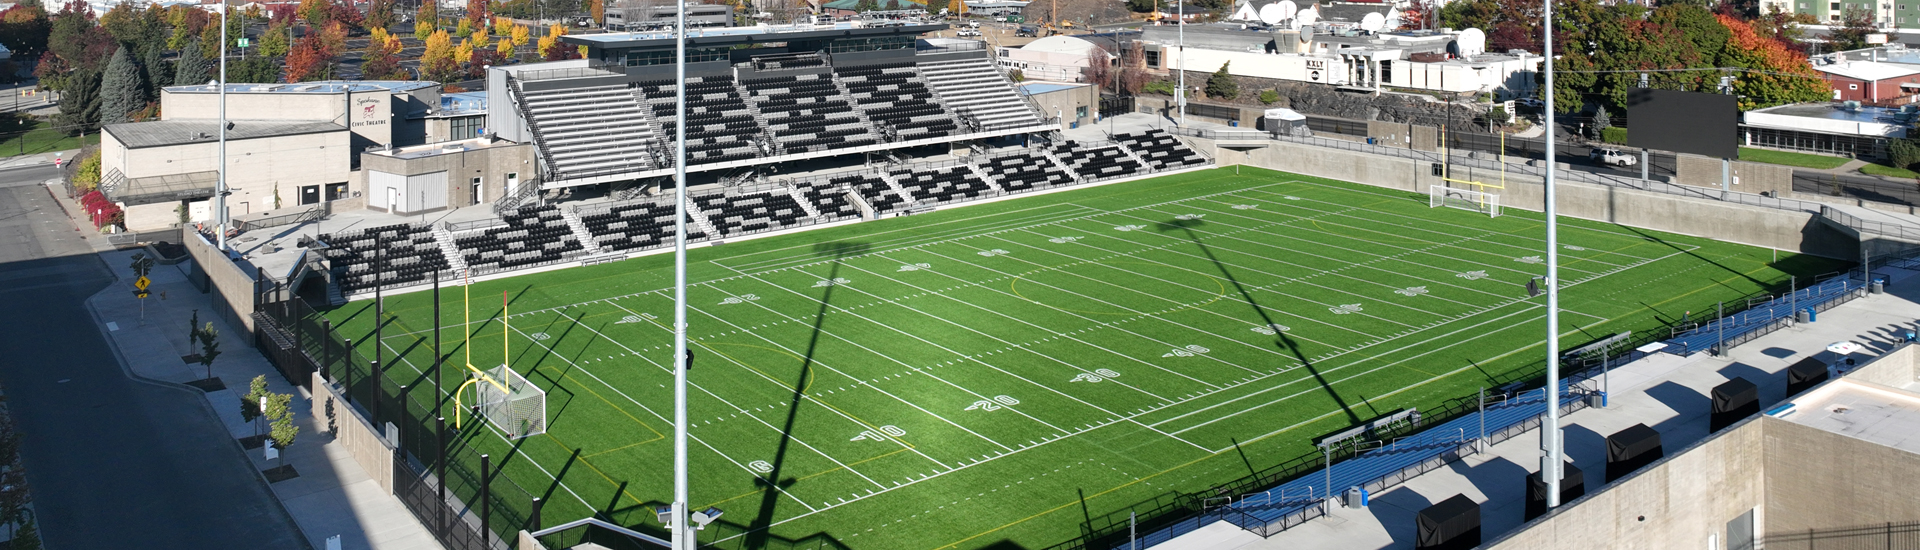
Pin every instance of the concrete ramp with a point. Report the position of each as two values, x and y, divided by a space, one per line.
1872 224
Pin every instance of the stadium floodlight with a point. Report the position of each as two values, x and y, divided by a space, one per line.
1551 450
665 514
704 517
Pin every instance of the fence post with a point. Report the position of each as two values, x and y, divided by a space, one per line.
326 347
1481 445
533 522
486 504
375 379
1720 328
440 470
346 374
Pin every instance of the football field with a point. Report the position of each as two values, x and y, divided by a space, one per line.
995 375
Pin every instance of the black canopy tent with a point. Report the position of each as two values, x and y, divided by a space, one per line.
1453 523
1631 448
1572 486
1805 375
1732 401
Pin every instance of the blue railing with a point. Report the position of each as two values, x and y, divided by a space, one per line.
1736 327
1304 498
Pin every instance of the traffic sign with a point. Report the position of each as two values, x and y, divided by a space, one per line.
140 294
141 283
244 42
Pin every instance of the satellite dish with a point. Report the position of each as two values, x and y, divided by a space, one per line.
1472 42
1306 17
1373 22
1287 9
1272 14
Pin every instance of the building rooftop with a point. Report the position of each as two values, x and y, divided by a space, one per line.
159 133
640 38
884 4
1871 412
1867 70
462 103
1037 88
1837 111
318 87
442 148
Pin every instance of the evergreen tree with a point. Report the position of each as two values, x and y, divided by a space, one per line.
1601 121
1222 85
193 68
80 108
259 70
158 73
121 92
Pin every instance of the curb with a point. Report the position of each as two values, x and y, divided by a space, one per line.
100 324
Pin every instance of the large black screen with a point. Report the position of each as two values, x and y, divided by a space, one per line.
1684 122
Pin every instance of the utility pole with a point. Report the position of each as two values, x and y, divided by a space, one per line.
220 189
1181 22
683 535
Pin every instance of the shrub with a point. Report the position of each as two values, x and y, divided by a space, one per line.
1903 153
1268 97
1222 85
1614 135
1161 87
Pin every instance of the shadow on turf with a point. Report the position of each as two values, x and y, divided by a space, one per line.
1280 338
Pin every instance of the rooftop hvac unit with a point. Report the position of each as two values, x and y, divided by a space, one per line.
1852 105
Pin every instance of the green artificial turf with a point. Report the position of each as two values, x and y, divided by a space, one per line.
1802 160
1002 373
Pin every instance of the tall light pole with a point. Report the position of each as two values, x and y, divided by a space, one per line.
1181 94
220 184
1550 426
683 535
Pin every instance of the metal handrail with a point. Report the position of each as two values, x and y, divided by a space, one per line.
603 524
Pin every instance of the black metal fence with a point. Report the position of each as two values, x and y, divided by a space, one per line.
300 342
1115 105
1885 536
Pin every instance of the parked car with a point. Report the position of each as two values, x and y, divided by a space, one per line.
967 32
1612 157
1026 31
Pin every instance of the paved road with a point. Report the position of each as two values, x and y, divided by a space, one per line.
114 462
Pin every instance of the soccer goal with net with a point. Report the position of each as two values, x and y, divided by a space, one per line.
511 403
1464 199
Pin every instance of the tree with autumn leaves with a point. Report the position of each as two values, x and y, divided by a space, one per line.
382 57
1604 49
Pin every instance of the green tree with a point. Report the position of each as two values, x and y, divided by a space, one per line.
250 403
1903 153
193 328
27 538
1269 96
866 5
1601 121
257 70
209 347
275 42
157 73
121 91
80 106
1855 24
1222 85
192 69
379 14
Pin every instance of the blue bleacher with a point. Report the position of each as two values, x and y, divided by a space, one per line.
1257 510
1703 338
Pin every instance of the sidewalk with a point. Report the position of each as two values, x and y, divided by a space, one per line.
1666 392
332 495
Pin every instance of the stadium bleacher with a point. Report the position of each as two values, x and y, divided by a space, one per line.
1160 149
807 113
627 227
1025 172
895 98
753 212
590 130
976 87
941 185
830 199
1095 161
529 235
720 127
405 253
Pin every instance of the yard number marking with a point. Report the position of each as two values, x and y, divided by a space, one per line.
1472 275
992 253
994 404
914 267
539 336
1271 330
1189 217
761 466
1345 309
1528 259
741 299
1412 291
1189 351
1245 206
1063 240
830 282
636 318
1096 376
1129 227
870 435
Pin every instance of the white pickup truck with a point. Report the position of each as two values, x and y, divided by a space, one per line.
1611 157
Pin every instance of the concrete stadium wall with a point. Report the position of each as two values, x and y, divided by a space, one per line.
231 284
1749 177
1753 225
1818 479
1676 503
363 442
1894 369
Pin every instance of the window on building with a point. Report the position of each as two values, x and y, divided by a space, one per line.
309 194
1834 6
1853 86
1080 112
1153 59
466 127
336 191
1834 17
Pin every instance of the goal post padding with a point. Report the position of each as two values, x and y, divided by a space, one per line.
511 403
1464 199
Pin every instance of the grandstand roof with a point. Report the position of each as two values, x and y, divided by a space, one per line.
160 133
320 87
746 35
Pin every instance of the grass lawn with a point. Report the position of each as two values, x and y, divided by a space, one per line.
1802 160
993 375
1889 171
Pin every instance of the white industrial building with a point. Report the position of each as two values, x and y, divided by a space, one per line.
1355 58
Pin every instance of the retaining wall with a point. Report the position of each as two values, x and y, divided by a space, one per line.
232 285
1753 225
364 443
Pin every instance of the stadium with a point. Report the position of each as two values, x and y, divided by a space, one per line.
925 315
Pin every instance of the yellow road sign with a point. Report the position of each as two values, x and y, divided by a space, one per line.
141 283
140 294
